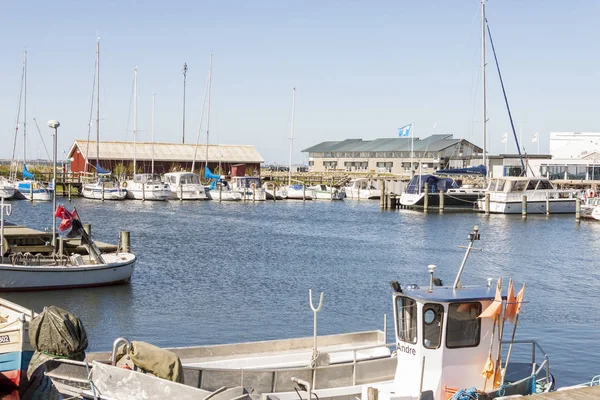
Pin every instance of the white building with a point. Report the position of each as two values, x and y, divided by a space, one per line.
565 145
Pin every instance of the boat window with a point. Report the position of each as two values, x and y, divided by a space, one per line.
432 325
500 186
173 179
464 328
544 185
518 186
532 184
406 319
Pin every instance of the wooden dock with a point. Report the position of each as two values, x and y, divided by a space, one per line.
584 393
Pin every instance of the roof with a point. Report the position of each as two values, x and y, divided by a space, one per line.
432 143
449 294
167 152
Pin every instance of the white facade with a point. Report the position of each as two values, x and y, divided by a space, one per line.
567 145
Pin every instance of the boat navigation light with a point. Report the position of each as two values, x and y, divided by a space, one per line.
431 269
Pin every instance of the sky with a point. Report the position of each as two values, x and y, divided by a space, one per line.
361 70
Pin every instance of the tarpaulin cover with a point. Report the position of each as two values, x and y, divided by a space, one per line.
153 359
480 169
56 333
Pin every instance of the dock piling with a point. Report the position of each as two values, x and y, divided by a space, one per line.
125 243
303 192
69 192
487 204
102 191
31 191
547 203
426 196
382 196
61 246
180 192
578 209
441 201
524 207
143 192
220 193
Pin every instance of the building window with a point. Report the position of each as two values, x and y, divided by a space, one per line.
406 318
311 163
464 328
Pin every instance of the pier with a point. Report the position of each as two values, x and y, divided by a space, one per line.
584 393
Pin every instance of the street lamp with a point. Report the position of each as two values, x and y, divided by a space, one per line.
54 124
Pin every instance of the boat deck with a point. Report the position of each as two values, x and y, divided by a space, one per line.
22 239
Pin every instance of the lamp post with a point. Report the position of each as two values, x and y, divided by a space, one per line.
54 125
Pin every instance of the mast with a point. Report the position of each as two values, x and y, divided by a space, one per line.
97 105
200 126
208 110
135 69
153 132
25 108
484 89
292 136
185 68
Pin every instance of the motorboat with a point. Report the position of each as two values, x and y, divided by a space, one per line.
105 188
506 195
273 192
15 349
147 187
250 187
361 188
432 186
219 188
185 186
21 272
30 189
299 191
7 190
325 192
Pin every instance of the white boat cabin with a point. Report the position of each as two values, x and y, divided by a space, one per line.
175 179
519 184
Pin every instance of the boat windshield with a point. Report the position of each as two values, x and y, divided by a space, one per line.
464 326
518 186
190 179
406 316
435 184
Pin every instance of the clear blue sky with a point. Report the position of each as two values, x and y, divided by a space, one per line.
361 69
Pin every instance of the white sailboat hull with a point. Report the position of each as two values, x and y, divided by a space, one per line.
118 268
94 192
367 194
6 192
296 194
258 194
147 191
38 195
188 192
223 195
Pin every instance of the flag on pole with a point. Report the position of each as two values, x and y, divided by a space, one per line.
504 138
520 299
511 303
535 137
495 308
405 130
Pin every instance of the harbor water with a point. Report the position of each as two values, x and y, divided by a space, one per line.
211 272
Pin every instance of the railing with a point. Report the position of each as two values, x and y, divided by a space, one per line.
535 346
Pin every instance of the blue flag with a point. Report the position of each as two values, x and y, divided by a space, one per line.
405 130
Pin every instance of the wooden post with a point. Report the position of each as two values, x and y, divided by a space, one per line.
578 209
389 202
441 201
69 192
274 192
143 192
547 203
220 193
102 191
303 192
254 193
382 195
63 182
358 193
487 204
426 196
61 246
31 191
372 393
180 192
524 207
125 241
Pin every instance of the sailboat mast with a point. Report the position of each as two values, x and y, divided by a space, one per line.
153 132
135 69
208 110
292 136
185 68
97 105
25 107
484 89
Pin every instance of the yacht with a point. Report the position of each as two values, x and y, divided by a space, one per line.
299 192
506 196
250 187
185 186
454 195
361 188
147 187
30 189
325 192
7 190
105 188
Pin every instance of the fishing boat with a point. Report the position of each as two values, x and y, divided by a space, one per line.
250 187
361 188
324 192
105 188
15 349
185 186
144 186
432 186
506 196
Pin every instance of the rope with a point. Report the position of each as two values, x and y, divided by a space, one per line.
466 394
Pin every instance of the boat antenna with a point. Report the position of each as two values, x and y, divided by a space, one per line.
472 237
185 69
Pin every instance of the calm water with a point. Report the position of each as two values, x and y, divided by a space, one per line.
215 273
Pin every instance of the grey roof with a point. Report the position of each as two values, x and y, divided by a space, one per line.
432 143
167 152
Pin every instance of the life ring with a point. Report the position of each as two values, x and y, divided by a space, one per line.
35 185
124 184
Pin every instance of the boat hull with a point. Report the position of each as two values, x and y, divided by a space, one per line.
188 192
366 194
38 195
150 193
95 193
557 206
13 368
6 192
295 194
455 200
118 269
223 195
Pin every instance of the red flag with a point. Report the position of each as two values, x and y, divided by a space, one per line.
66 216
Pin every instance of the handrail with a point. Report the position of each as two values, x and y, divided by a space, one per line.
535 345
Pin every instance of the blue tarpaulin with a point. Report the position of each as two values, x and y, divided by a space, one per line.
101 170
26 174
480 169
210 175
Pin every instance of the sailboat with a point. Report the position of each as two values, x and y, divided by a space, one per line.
219 188
143 186
297 191
105 187
28 188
